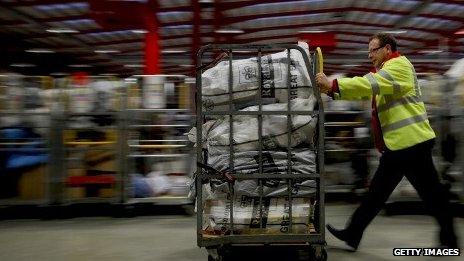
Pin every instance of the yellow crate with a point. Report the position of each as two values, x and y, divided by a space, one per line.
70 139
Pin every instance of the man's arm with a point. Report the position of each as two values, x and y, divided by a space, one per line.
388 81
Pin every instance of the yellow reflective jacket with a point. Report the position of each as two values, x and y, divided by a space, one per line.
402 115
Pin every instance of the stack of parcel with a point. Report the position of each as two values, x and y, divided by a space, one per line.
265 142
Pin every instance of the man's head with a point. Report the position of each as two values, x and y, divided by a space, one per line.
381 46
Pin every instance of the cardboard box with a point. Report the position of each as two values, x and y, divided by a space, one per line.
107 192
31 184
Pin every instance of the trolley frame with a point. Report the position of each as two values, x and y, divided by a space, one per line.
217 242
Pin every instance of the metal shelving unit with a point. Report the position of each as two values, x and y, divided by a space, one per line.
156 145
91 152
342 145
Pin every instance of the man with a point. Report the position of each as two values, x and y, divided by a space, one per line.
402 134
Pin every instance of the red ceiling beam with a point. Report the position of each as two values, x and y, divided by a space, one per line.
343 10
231 20
63 18
370 34
257 38
246 3
211 34
247 18
12 23
458 2
293 26
238 4
237 19
289 13
51 2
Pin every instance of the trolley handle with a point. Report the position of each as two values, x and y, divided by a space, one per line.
320 60
214 62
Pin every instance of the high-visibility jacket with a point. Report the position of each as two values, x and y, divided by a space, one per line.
401 111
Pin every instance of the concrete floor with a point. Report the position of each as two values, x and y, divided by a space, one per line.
170 237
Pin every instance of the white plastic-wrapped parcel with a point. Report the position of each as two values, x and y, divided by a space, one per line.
245 86
303 161
274 129
275 218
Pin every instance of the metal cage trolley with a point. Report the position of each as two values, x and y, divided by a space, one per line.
259 148
157 149
26 140
90 156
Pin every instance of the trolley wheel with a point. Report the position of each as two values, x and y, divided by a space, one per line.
318 252
189 209
218 254
218 258
123 211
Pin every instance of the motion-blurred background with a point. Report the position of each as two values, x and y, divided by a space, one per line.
97 97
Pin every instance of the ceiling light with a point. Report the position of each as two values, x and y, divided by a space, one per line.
460 32
229 31
40 51
22 65
139 31
244 51
173 51
206 1
134 65
396 32
190 80
62 30
424 73
312 31
80 65
107 51
130 79
431 51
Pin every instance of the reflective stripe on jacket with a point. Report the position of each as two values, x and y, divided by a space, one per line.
401 112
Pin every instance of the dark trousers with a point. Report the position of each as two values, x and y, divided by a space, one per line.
416 164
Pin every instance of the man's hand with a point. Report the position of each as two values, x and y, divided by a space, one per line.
323 83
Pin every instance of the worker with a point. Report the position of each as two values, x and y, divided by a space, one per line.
403 135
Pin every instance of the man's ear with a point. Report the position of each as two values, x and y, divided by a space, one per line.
388 46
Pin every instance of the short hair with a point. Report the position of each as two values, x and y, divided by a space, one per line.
385 39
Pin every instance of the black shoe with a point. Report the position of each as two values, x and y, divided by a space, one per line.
344 235
449 243
448 240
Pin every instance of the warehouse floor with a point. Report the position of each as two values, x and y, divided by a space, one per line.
172 237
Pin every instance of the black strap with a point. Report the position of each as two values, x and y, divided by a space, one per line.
227 176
